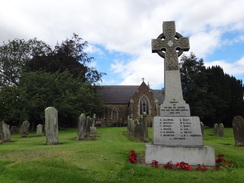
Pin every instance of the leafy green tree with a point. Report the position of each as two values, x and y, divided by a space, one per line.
70 56
14 55
212 95
33 76
38 90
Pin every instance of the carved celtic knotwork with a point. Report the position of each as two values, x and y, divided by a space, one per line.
170 45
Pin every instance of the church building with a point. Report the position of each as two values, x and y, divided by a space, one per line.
123 101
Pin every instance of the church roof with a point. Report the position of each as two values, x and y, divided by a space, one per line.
158 94
121 94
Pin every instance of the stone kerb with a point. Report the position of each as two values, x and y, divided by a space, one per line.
51 126
238 129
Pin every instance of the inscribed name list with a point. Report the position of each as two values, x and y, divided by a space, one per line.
177 131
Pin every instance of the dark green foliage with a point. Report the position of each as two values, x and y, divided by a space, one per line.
212 95
70 56
33 77
39 90
14 55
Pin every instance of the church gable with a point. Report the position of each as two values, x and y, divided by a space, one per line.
143 101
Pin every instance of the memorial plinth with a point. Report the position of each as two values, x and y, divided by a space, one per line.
177 135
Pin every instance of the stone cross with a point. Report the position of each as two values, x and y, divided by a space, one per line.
170 45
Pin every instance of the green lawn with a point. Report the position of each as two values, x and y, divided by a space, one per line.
103 160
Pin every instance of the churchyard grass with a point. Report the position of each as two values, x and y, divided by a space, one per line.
104 160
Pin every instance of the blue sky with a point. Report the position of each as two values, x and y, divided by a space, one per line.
119 32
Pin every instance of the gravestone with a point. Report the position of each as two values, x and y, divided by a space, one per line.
51 126
221 129
81 127
13 130
238 129
131 126
144 127
177 136
137 129
93 126
39 130
5 135
25 128
216 129
202 129
88 127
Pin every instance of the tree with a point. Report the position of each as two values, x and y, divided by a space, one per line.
14 55
38 90
212 95
70 56
33 76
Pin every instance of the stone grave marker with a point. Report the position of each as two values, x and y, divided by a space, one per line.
39 130
137 129
51 126
93 126
202 128
13 130
177 136
81 127
88 127
221 129
216 129
25 128
5 135
144 127
238 129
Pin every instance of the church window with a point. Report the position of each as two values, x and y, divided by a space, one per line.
144 105
114 114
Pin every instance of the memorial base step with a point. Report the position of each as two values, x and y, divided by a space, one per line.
203 155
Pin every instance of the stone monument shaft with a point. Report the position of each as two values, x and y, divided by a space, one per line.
170 45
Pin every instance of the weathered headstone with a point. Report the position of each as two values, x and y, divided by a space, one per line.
238 129
13 130
88 127
39 130
5 135
51 126
216 129
221 129
131 126
144 128
137 129
202 128
177 136
81 127
93 126
25 128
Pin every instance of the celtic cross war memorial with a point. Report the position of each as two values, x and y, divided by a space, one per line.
177 135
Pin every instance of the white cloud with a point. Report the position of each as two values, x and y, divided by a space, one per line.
126 26
93 49
148 66
235 68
